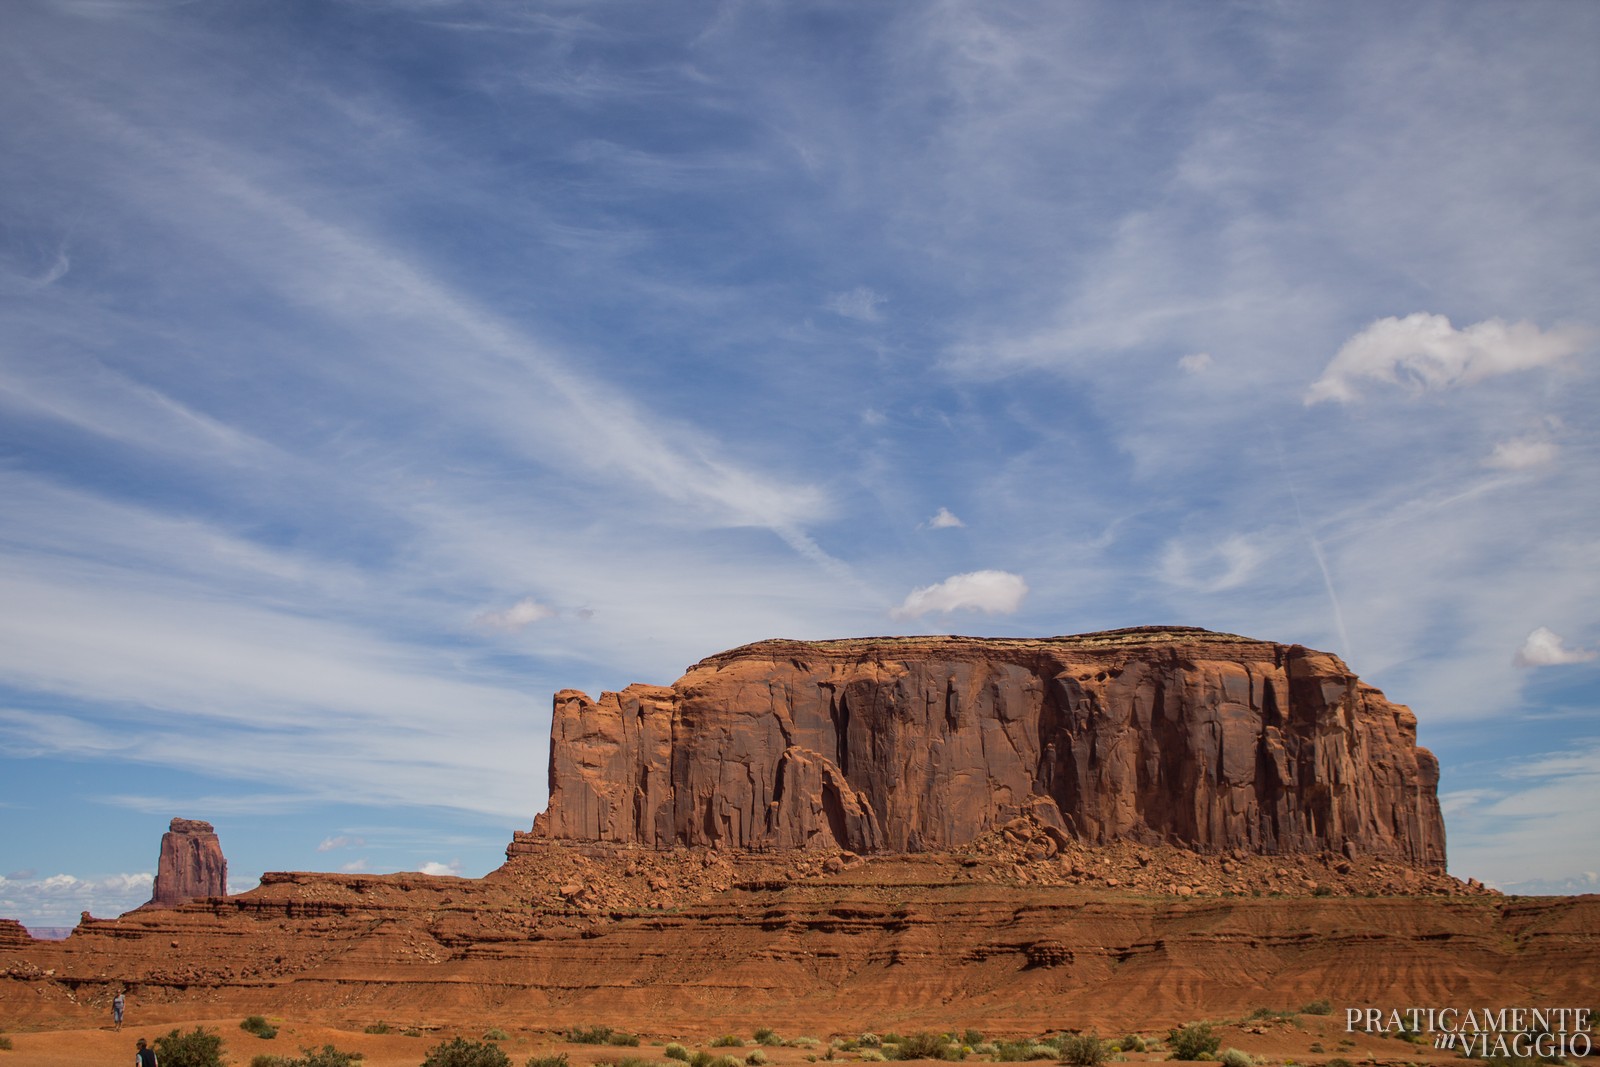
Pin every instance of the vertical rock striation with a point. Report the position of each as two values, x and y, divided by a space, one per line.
191 864
1155 734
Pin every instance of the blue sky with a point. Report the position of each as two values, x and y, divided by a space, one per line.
370 370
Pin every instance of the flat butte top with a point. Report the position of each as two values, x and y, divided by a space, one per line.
1206 643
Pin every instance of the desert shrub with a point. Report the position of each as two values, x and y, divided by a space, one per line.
376 1028
494 1033
1268 1013
463 1053
1318 1007
892 1038
1083 1050
258 1025
676 1051
197 1048
633 1061
1193 1041
327 1056
757 1058
1132 1043
923 1046
558 1060
1317 1047
5 1043
870 1055
590 1035
728 1041
623 1040
869 1040
701 1058
971 1037
1020 1051
1339 1061
1233 1057
802 1042
726 1061
766 1036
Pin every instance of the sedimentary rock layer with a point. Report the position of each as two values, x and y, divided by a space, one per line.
191 864
1156 735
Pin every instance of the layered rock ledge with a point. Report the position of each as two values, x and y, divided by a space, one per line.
1153 735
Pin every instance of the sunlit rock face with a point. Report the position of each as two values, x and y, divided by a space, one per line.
191 864
1157 734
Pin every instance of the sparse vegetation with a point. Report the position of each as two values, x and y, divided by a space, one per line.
869 1040
1019 1051
327 1056
376 1028
1339 1061
676 1051
258 1025
870 1055
601 1035
1233 1057
728 1041
924 1046
726 1061
5 1043
197 1048
1083 1050
1317 1007
463 1053
1192 1042
766 1036
971 1037
1132 1043
802 1042
558 1060
494 1033
757 1058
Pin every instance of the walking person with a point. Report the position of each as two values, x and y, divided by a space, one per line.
145 1057
118 1003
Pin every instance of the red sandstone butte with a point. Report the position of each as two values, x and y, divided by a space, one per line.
1170 735
191 865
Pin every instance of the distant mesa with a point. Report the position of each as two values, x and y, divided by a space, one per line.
1155 735
191 865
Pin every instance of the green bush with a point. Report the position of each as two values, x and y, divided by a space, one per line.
5 1043
869 1040
676 1051
1193 1041
1083 1050
1235 1058
870 1055
494 1033
377 1028
1318 1007
757 1058
923 1046
728 1041
267 1059
701 1058
197 1048
766 1036
623 1040
1339 1061
1132 1043
463 1053
802 1042
590 1035
1020 1051
327 1056
726 1061
558 1060
258 1025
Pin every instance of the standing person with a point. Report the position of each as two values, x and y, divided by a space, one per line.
145 1057
117 1004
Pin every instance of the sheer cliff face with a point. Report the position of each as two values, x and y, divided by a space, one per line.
906 744
191 864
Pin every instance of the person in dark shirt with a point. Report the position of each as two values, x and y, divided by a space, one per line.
145 1057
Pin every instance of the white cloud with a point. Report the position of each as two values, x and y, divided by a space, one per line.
1196 363
58 899
1521 453
341 841
943 520
859 303
1545 648
1426 352
1211 568
991 592
523 613
354 866
452 869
